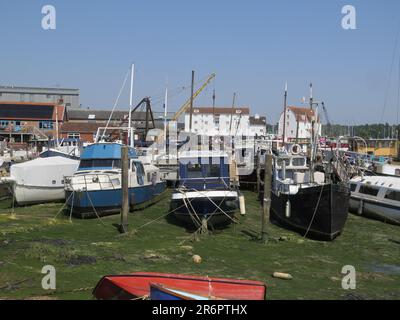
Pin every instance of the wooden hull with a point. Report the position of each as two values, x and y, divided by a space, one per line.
325 223
137 285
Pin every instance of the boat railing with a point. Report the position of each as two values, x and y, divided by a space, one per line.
82 182
222 182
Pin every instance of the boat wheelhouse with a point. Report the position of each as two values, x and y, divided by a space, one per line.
377 197
203 192
95 189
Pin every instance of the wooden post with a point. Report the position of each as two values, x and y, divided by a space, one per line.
267 196
258 172
124 189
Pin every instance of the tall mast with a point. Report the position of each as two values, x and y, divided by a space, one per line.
233 108
57 142
284 115
165 116
191 103
130 133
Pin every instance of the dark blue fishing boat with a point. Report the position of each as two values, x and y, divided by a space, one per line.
203 192
95 189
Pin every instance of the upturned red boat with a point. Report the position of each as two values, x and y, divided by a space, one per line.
137 286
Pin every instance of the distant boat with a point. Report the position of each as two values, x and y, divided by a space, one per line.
40 180
138 285
68 148
95 188
203 190
313 206
376 197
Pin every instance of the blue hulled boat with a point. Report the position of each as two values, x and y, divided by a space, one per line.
204 192
95 189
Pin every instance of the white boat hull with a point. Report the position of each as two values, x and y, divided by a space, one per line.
37 194
375 209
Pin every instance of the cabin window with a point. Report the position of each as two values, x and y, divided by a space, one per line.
369 190
139 172
287 162
393 195
211 170
100 163
298 162
194 170
353 187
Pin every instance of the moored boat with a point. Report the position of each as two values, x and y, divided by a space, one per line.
311 205
95 189
377 197
40 180
204 192
137 285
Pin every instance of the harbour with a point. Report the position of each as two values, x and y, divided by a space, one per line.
135 167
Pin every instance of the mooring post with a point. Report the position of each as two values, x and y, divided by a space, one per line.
258 172
267 196
124 188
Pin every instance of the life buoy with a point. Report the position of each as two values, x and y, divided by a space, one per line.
296 149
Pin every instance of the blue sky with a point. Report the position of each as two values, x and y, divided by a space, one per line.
252 46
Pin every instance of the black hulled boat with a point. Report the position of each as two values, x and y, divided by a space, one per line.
308 202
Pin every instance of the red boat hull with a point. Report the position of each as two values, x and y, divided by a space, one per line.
137 285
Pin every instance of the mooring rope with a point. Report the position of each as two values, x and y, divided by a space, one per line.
315 211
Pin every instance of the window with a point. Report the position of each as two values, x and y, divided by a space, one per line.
393 195
353 187
45 125
369 190
100 163
287 162
298 162
211 170
22 97
74 135
194 170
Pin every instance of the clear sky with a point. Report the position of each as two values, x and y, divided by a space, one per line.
252 46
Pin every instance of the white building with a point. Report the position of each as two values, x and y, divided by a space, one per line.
298 121
209 121
258 126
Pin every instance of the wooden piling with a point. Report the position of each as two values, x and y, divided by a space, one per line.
267 197
125 189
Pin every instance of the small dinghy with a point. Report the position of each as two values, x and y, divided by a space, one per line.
165 286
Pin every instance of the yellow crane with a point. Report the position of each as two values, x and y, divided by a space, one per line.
186 105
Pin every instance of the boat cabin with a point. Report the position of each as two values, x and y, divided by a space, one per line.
203 170
291 172
103 156
376 187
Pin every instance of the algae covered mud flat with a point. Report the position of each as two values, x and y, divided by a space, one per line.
82 251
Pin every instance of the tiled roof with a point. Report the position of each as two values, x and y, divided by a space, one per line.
302 114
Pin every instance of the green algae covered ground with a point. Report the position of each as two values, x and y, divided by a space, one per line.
82 251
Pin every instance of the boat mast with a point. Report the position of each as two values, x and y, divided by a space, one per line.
284 116
130 133
165 117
